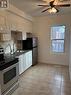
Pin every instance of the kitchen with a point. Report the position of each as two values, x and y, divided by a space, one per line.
8 46
14 19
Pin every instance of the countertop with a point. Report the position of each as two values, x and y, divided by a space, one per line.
10 59
18 53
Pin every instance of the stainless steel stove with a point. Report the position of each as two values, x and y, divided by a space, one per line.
9 73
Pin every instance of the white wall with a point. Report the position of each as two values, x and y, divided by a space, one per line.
70 57
42 28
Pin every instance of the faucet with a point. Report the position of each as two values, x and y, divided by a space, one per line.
13 48
8 46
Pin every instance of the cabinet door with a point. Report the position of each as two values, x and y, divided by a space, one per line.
24 62
5 37
28 59
2 24
21 69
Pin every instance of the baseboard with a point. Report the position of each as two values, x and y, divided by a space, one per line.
52 64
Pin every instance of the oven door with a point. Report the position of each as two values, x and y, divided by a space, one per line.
9 76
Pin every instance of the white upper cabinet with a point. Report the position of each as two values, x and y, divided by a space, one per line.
10 21
5 37
2 24
19 23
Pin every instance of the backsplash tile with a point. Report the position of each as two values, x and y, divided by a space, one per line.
7 48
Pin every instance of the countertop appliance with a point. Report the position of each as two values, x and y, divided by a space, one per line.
1 54
31 44
9 73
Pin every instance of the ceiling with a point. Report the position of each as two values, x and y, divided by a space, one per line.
31 6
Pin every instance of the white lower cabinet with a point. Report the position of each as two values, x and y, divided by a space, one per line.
28 59
21 63
25 61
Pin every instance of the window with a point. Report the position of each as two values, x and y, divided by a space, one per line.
57 38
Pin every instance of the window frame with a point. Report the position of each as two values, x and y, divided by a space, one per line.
57 39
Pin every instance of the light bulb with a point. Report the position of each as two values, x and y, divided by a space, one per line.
52 10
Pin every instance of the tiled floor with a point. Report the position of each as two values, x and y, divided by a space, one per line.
44 79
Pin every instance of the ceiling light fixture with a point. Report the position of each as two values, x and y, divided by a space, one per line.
52 10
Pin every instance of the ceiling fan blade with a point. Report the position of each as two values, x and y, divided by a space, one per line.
64 5
44 5
45 10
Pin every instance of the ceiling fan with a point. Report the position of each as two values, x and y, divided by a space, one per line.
52 8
